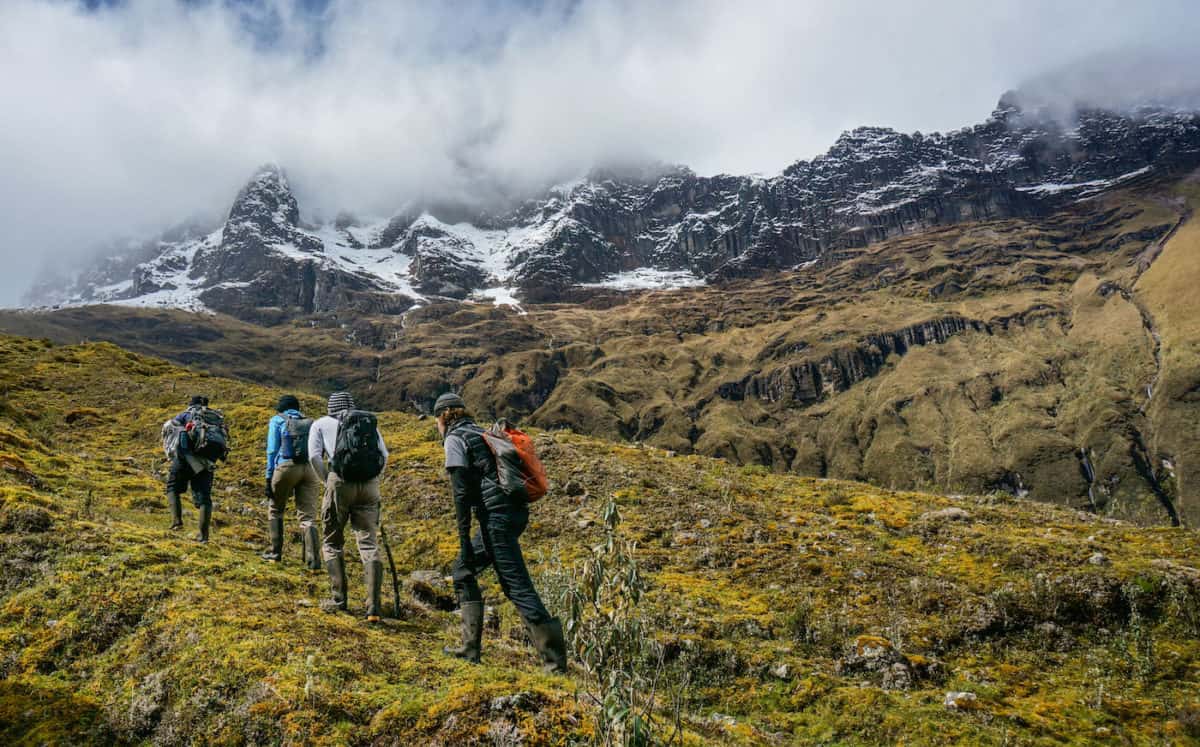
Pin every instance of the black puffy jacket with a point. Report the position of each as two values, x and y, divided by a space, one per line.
475 485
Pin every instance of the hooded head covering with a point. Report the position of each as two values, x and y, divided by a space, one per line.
287 402
446 401
340 402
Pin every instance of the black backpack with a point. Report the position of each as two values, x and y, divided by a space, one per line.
293 442
208 437
356 454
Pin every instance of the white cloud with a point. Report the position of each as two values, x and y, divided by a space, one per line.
131 118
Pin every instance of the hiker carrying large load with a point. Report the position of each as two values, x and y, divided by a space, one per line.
495 483
288 474
195 440
347 452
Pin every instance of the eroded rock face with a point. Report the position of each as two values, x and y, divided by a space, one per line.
809 381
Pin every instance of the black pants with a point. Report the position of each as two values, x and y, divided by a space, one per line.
182 477
497 544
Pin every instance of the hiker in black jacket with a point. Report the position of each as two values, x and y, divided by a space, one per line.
502 519
188 470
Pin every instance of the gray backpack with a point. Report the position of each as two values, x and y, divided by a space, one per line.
293 442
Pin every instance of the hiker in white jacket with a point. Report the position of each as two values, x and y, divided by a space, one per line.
351 480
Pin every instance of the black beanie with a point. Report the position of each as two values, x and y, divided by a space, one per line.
198 400
446 401
287 402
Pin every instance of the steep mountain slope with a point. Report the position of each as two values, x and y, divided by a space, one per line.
1051 356
658 226
788 610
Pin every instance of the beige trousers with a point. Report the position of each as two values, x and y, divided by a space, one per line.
354 502
290 478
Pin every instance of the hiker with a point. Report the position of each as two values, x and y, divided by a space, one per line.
347 452
195 440
288 474
502 518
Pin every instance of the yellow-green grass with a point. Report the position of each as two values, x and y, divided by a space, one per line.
114 629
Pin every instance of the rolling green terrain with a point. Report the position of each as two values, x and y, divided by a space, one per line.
781 609
1054 357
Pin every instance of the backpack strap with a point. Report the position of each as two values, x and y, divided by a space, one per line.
479 456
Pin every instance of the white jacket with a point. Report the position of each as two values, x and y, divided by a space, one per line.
322 440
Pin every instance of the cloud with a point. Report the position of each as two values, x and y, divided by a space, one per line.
131 116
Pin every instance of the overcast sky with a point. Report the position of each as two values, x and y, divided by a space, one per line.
123 116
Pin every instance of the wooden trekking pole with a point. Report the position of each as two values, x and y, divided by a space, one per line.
387 549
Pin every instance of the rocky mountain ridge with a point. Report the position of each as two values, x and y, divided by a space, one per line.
625 230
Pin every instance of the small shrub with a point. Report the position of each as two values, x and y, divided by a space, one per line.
837 497
613 639
1189 719
798 622
22 519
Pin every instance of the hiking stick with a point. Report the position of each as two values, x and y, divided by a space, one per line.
387 549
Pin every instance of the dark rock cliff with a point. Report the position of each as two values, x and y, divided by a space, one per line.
807 381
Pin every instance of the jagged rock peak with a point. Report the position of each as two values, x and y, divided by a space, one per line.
266 196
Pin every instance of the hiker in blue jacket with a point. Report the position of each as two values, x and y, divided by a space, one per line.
288 474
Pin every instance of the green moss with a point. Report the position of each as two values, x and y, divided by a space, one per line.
114 629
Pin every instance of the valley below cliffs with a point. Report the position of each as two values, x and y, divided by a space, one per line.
1054 357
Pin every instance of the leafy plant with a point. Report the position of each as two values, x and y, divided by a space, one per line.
613 639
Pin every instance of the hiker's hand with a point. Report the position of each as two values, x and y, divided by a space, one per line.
270 492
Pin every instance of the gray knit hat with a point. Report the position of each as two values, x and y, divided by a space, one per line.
446 401
340 402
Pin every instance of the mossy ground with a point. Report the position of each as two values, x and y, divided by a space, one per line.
766 589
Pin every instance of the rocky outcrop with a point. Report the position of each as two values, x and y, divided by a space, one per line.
302 288
441 263
807 381
263 218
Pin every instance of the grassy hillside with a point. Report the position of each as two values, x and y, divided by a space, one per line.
781 609
1054 357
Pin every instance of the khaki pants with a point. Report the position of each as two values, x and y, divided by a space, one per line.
358 503
298 479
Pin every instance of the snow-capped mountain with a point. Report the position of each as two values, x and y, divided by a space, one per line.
621 230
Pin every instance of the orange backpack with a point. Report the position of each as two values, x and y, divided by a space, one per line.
518 468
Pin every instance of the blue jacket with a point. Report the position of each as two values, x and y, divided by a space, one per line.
275 437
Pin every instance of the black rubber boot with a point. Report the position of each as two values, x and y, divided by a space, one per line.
275 532
548 640
472 633
312 549
176 511
374 581
337 585
205 521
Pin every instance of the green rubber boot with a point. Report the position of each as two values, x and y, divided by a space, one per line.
337 585
275 532
472 633
205 522
548 640
176 511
